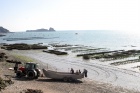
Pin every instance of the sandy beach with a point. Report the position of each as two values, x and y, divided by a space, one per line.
102 78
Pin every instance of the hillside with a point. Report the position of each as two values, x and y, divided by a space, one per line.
3 30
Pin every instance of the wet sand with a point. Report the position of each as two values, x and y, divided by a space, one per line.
100 72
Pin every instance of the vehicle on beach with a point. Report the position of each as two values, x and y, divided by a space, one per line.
30 70
66 76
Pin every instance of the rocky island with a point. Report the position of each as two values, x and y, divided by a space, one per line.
41 30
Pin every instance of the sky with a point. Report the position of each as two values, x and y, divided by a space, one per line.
22 15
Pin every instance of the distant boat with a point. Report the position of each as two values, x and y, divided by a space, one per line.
133 46
66 76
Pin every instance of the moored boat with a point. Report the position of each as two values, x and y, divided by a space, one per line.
66 76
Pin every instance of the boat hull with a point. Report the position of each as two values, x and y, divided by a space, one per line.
62 75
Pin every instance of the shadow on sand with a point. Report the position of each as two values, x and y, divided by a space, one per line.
23 79
58 80
46 80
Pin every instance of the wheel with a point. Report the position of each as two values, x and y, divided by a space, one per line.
19 74
31 74
36 77
65 79
38 73
70 79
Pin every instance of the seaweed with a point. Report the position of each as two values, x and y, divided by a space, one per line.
116 54
125 62
56 52
23 46
86 57
32 91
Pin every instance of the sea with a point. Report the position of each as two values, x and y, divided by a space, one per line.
113 40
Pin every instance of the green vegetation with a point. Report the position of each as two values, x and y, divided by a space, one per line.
23 58
4 83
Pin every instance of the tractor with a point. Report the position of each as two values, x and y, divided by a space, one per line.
30 70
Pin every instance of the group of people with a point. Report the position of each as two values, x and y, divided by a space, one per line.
78 72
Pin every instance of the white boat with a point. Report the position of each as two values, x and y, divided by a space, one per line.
66 76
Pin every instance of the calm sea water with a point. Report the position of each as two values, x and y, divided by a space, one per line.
100 39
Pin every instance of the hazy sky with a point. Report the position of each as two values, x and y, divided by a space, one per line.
20 15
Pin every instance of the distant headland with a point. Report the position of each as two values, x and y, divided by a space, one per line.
41 30
3 30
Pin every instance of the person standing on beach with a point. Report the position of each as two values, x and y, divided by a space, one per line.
85 71
79 71
16 67
72 71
